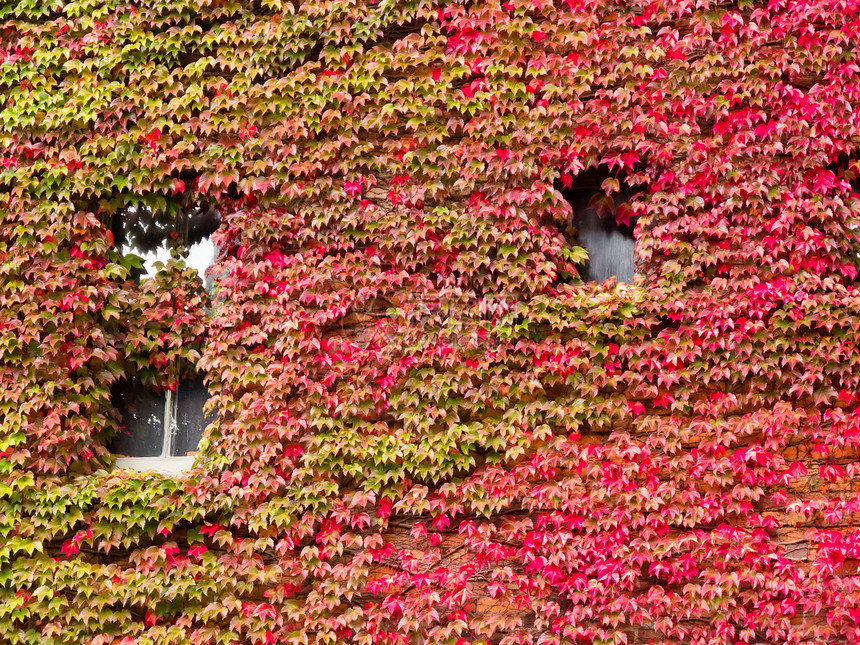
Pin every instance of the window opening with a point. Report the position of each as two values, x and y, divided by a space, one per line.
154 233
848 168
159 425
161 430
603 224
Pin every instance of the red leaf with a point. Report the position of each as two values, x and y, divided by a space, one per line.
831 472
152 138
352 188
441 522
211 529
69 548
663 401
623 214
496 589
197 551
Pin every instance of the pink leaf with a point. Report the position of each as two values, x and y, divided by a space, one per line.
197 551
831 472
566 180
663 401
352 188
635 408
496 589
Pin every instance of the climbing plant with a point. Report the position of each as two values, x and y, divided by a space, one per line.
428 428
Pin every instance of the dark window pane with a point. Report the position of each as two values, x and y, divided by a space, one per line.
595 217
201 224
190 420
610 247
142 420
201 251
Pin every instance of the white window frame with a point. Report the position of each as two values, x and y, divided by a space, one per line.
162 465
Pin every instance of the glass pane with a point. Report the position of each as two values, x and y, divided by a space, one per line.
141 434
200 257
189 418
159 254
201 224
610 249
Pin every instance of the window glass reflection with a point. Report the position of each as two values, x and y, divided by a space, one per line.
189 419
603 224
146 414
142 430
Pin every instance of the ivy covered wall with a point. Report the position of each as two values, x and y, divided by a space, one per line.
429 429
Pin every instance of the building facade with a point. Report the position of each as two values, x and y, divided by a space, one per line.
434 416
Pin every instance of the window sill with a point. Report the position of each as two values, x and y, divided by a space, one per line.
163 465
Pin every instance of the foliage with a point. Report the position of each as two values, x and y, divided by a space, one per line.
429 430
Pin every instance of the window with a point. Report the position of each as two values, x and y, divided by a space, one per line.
603 224
160 431
154 233
848 168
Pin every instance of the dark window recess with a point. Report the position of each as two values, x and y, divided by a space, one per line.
847 167
852 175
603 224
142 431
146 414
152 233
188 415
